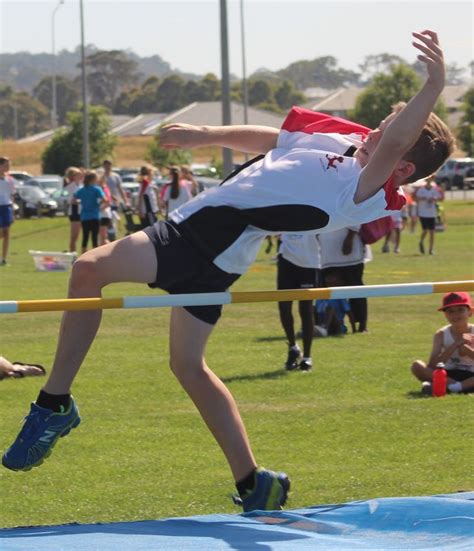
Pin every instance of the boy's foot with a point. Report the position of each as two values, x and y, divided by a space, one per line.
396 250
294 355
41 430
305 365
421 247
386 248
427 388
432 252
269 493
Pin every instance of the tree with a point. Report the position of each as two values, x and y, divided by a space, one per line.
21 115
322 72
65 148
109 73
286 96
161 157
170 94
466 125
260 91
376 101
376 64
67 95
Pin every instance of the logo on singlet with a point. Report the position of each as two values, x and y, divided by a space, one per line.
332 161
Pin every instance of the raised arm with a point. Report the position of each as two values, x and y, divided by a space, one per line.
246 138
403 129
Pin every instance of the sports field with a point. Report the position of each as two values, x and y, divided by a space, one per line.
354 428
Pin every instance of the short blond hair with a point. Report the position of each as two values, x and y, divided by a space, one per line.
434 145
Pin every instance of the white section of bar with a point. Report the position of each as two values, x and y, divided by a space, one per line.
368 291
191 299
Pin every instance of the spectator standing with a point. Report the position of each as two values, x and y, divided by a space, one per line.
452 346
105 222
71 183
426 198
411 207
147 197
298 268
395 234
343 253
92 198
7 191
177 193
114 183
188 178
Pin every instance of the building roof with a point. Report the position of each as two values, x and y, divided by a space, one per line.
207 112
210 112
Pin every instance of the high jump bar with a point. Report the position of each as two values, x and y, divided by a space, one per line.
207 299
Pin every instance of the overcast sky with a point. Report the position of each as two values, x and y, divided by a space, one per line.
277 32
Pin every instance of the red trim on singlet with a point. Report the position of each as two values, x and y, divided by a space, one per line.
304 120
310 122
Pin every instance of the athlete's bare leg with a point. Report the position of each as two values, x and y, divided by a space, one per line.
188 338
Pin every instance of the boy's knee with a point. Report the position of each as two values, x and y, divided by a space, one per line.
185 366
85 275
417 367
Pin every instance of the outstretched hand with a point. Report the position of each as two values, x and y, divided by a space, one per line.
181 136
431 55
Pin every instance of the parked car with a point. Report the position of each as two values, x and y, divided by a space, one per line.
452 173
21 177
33 201
48 182
61 197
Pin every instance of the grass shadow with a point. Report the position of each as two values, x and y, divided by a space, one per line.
415 395
254 376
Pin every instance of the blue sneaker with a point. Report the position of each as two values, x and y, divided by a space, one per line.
41 430
269 494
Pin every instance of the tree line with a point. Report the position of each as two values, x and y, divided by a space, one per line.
114 84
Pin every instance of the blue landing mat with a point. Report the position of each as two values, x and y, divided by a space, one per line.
438 522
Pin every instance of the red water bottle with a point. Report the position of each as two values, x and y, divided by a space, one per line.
439 380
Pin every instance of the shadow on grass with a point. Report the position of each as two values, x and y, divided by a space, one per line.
415 395
253 376
271 338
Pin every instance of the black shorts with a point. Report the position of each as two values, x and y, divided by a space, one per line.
290 276
183 269
105 222
74 216
459 375
427 223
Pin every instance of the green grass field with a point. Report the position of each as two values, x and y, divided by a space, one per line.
355 428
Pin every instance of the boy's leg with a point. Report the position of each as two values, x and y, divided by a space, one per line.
55 413
188 338
421 372
287 321
307 324
431 236
5 243
131 259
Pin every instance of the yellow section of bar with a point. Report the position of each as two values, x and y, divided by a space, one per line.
71 304
280 296
451 286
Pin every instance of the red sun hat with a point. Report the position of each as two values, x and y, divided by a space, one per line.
456 299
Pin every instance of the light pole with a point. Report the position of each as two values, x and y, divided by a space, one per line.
54 111
245 94
85 114
226 117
